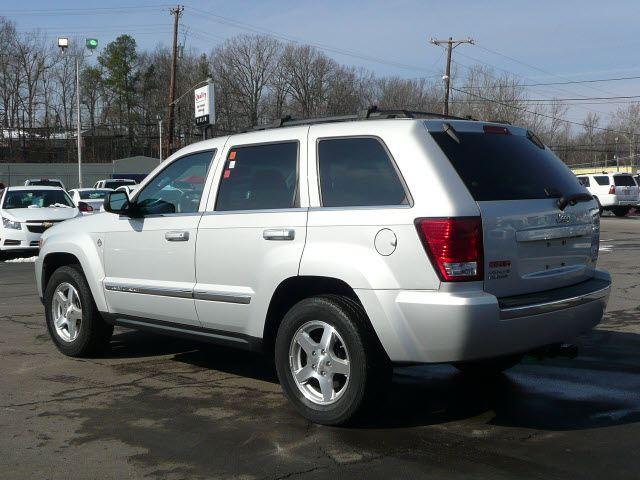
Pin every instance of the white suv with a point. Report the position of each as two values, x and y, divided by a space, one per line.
616 192
342 248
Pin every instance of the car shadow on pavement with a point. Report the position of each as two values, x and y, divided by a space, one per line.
597 389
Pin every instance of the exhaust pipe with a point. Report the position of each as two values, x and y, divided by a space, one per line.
564 350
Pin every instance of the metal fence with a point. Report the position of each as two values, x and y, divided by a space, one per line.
12 174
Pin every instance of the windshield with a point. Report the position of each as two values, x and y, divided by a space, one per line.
507 167
93 194
116 184
36 198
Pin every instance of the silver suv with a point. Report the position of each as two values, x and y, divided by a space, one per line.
341 248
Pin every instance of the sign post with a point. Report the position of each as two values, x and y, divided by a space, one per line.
205 111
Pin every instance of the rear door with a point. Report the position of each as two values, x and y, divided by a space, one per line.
626 188
530 244
253 232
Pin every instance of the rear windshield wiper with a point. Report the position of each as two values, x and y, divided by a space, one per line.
449 130
572 199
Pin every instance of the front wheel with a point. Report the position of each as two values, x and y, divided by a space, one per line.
73 321
490 367
328 360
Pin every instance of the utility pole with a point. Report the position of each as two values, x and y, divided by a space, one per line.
176 12
451 44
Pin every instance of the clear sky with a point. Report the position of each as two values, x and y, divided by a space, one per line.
547 41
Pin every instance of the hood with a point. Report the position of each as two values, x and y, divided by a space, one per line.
46 213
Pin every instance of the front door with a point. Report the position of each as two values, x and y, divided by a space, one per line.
149 259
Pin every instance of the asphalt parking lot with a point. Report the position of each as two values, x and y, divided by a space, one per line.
155 407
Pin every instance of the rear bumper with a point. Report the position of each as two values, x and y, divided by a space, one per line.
433 326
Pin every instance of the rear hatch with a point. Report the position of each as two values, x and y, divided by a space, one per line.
625 188
530 243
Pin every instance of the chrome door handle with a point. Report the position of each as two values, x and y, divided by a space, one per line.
176 236
279 234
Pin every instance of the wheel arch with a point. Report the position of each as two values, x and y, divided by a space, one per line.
294 289
57 253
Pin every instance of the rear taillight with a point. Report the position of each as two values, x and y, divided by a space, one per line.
454 246
84 207
612 190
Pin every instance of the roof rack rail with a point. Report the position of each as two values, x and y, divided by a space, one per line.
373 112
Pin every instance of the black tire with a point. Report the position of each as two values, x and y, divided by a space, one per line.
621 211
490 367
600 209
94 333
370 371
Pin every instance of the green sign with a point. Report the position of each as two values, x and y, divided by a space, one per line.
92 43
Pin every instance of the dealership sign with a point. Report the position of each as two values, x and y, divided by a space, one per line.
205 112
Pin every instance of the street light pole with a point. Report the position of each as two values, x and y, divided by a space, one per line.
79 134
160 134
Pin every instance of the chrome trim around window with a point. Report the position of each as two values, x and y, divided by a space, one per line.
146 290
546 307
215 296
200 294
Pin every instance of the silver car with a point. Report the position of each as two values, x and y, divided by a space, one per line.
341 248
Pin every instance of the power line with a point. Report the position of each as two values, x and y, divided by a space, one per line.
533 66
329 48
522 109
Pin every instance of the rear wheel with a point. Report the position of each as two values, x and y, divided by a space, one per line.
73 321
621 211
328 360
490 367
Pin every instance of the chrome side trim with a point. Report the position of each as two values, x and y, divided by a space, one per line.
146 290
539 308
209 295
214 296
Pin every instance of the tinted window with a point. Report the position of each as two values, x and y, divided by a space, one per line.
258 177
36 198
177 188
623 181
602 179
584 181
507 167
357 172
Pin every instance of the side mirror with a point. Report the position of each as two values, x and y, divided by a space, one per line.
117 202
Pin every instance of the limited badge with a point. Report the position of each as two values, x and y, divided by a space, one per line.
499 269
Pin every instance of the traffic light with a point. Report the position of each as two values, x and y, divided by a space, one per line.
92 43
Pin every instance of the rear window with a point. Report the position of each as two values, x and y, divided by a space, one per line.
602 179
45 183
623 181
507 167
117 183
93 194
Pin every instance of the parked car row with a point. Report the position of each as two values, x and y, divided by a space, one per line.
27 211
